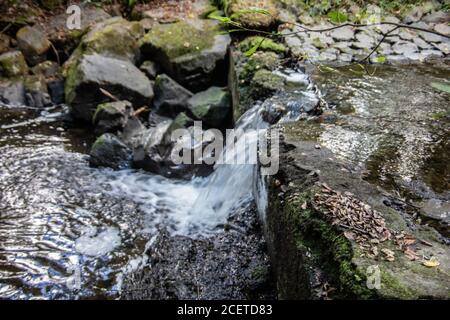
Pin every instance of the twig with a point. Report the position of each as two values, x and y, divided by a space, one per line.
140 110
109 95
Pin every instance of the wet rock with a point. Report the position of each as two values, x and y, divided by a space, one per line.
150 69
265 83
253 20
4 43
33 43
212 106
182 121
153 151
12 93
109 151
12 64
36 91
226 265
119 77
56 91
170 97
111 116
385 49
343 34
188 51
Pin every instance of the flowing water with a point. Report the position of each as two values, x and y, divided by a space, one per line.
392 125
70 231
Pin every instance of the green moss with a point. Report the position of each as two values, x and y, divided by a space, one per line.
260 60
180 38
331 250
13 64
394 288
238 10
265 83
264 44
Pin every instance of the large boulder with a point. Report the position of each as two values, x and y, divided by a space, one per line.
241 11
109 151
115 38
212 106
170 97
189 51
112 116
12 64
94 72
33 43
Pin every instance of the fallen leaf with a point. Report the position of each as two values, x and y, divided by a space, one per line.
433 262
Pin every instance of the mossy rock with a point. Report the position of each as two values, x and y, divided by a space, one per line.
259 61
189 51
12 64
240 11
116 38
264 44
265 83
33 43
211 106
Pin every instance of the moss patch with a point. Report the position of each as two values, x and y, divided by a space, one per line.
264 44
180 38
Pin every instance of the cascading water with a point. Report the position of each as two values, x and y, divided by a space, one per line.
69 231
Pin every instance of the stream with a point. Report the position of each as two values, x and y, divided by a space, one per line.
68 231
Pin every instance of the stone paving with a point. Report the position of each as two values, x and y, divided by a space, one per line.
350 44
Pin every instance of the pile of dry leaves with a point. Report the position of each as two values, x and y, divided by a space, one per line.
363 225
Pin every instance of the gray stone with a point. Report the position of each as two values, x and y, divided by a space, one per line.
170 97
12 93
150 69
407 35
119 77
33 43
109 151
404 48
12 64
344 47
345 57
212 106
437 17
422 44
344 33
444 47
111 116
385 49
431 37
443 28
366 40
188 51
36 91
432 54
392 39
